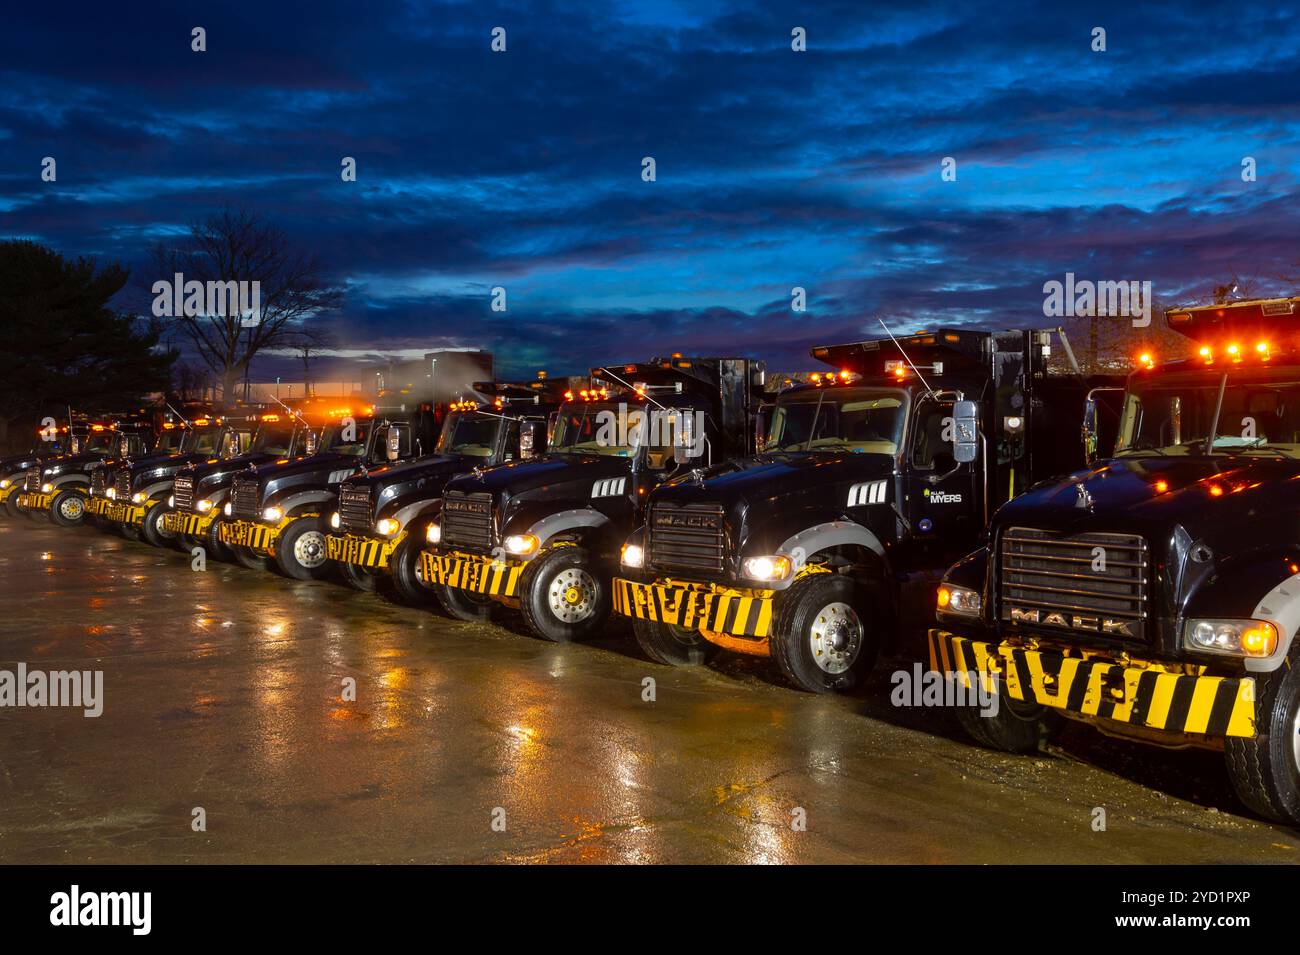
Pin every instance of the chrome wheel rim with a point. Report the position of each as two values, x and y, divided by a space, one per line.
835 638
572 595
309 550
72 508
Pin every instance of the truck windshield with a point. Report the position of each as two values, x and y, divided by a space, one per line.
171 440
1172 415
594 429
204 441
100 441
349 440
469 434
273 440
861 420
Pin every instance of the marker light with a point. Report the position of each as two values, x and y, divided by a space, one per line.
521 545
1235 351
1205 352
1216 491
1146 359
1161 486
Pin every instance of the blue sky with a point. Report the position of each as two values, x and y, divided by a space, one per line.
775 169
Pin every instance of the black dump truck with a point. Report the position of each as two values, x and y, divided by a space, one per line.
142 489
544 535
170 429
201 489
59 488
52 441
383 516
873 477
1156 594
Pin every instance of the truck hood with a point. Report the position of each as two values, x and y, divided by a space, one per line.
408 472
776 478
552 476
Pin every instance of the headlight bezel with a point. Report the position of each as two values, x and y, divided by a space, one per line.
1236 629
272 514
521 545
433 533
139 497
388 526
199 505
958 601
632 556
335 522
767 568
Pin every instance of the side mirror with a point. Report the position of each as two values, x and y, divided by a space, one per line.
393 444
310 445
532 439
1089 431
965 431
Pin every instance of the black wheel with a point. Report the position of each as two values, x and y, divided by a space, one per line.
11 506
562 596
1016 727
211 541
408 576
301 551
822 636
37 515
464 605
151 528
1265 769
672 645
364 579
247 557
68 508
186 543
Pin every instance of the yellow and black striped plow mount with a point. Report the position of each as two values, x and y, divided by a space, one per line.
472 572
34 502
1148 695
98 506
187 523
696 607
362 551
248 534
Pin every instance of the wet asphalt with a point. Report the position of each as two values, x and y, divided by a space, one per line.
224 692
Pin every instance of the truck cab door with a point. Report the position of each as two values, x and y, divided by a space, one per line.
943 494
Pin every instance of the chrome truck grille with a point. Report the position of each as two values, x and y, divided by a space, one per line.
98 482
467 520
354 509
689 537
245 499
122 484
183 491
1087 583
32 480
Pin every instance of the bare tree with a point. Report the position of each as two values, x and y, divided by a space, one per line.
238 246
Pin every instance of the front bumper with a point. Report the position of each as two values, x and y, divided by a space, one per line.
708 608
33 501
362 551
124 512
250 534
473 572
188 523
1141 693
97 506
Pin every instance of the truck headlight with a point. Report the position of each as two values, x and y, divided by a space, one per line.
171 500
139 497
4 483
388 526
521 545
959 600
47 488
111 494
1238 638
227 510
768 568
633 556
335 520
204 506
433 534
273 514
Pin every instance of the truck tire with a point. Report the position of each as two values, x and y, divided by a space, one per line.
1016 728
1265 770
404 567
360 578
463 605
212 543
821 636
151 527
11 506
672 645
562 597
247 557
68 508
301 552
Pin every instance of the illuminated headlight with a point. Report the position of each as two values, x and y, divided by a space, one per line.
433 534
204 506
388 526
47 488
4 483
1238 638
521 545
335 522
227 510
272 514
139 497
633 556
768 568
111 494
171 500
959 600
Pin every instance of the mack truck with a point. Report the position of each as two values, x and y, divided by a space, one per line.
59 488
201 489
543 535
872 478
53 442
1155 593
382 518
171 431
142 489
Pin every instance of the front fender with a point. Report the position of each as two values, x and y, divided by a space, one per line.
1262 586
579 519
